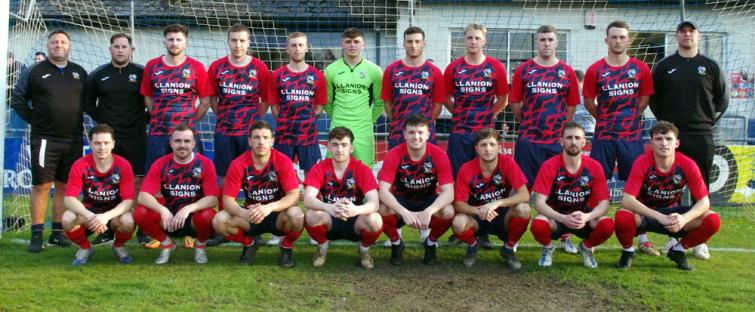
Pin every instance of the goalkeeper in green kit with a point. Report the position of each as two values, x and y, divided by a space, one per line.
354 102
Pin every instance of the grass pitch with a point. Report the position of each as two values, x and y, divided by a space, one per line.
47 281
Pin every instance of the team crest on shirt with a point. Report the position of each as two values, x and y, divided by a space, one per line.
186 72
196 172
132 78
350 183
310 79
252 73
115 179
487 72
632 73
272 176
677 178
76 75
584 182
497 179
427 167
425 75
561 73
701 70
362 74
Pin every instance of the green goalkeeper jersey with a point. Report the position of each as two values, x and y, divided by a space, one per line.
354 102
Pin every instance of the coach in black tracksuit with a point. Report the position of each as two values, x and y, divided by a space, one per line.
55 88
690 91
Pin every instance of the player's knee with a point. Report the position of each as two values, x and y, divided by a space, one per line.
374 221
522 210
221 219
126 222
446 213
460 223
69 220
314 217
295 214
383 210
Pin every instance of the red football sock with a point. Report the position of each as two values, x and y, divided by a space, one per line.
122 237
710 225
369 238
541 230
203 224
290 237
149 221
79 236
467 237
625 227
239 237
438 227
390 227
517 227
600 233
319 233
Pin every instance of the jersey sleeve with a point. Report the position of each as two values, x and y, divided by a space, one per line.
445 175
636 175
378 106
600 187
387 173
588 88
127 180
210 179
321 98
461 187
572 96
264 76
146 88
502 83
544 178
314 176
646 84
439 91
273 96
695 182
151 182
514 174
329 70
203 83
365 178
289 179
74 184
386 93
516 93
448 77
232 183
213 78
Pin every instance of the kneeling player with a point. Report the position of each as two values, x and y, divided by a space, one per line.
408 180
187 186
482 200
571 196
651 199
108 184
271 190
342 198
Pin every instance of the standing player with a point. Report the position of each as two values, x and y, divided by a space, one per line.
483 200
571 195
622 86
544 93
171 85
342 200
113 98
178 196
271 190
691 92
412 173
298 93
107 182
476 87
354 87
55 88
652 194
412 85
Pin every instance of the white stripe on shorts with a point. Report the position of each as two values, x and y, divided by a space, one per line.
42 147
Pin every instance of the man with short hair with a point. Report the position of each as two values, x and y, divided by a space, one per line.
354 87
55 89
412 173
107 183
412 85
571 195
691 92
271 192
491 197
342 200
298 93
178 196
39 56
617 89
171 85
112 97
652 195
544 94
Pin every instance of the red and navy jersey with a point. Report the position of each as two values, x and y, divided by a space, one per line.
544 92
411 90
181 184
473 188
415 180
356 181
240 92
568 192
617 91
297 94
102 190
657 189
474 89
261 186
174 91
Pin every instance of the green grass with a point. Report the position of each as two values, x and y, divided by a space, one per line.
47 281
